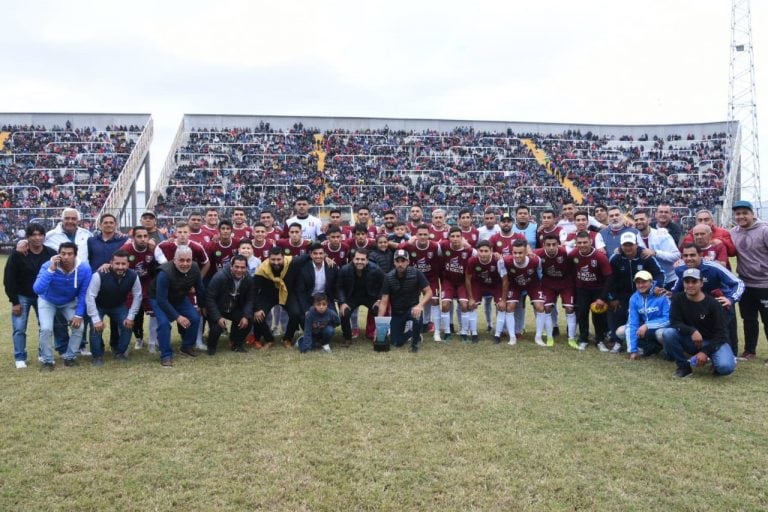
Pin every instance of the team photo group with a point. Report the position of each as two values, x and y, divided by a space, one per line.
631 282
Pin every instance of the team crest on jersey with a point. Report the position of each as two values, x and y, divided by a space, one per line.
148 258
594 263
464 255
559 259
530 271
430 254
499 243
431 235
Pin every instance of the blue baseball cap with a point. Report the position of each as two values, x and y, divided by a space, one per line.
742 204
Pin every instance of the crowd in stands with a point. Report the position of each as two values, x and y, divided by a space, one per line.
43 169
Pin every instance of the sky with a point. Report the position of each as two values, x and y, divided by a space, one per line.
588 61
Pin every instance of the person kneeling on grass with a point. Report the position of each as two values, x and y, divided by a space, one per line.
697 328
319 325
648 316
229 296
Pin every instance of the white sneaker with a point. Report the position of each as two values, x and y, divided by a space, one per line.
21 364
616 348
583 346
200 345
85 352
40 359
602 348
152 347
436 336
326 348
512 342
540 342
139 344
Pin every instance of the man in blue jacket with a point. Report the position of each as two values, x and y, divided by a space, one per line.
648 317
61 286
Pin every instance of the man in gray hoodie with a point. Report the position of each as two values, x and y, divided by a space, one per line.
750 236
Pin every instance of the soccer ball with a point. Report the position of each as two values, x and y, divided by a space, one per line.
598 309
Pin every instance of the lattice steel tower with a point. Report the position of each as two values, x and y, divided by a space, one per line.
742 107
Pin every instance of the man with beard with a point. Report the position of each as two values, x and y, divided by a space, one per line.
616 227
240 228
141 259
274 278
502 241
363 218
660 245
149 221
229 296
591 271
390 218
358 284
415 218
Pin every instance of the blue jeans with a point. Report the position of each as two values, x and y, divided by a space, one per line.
312 339
116 316
46 313
397 329
188 337
680 347
19 324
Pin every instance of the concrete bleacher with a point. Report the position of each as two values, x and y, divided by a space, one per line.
266 161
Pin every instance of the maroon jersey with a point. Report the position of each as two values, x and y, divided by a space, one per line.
454 262
201 237
293 250
716 253
348 232
143 262
557 271
168 248
208 234
503 244
590 271
486 275
220 255
522 277
370 244
472 236
412 227
275 234
427 260
340 256
238 233
438 234
540 234
263 252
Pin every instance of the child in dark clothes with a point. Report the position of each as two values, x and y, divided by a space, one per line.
319 325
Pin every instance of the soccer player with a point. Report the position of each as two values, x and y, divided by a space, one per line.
165 250
240 228
221 250
335 247
261 244
362 238
438 230
502 241
524 276
311 226
196 233
425 255
211 227
455 255
557 279
524 225
141 258
548 226
581 221
273 233
486 276
294 245
468 231
591 272
415 218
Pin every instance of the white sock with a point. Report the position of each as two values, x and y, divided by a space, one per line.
200 333
445 320
554 316
541 319
510 321
464 322
571 319
472 315
152 330
548 324
501 317
520 315
487 301
434 315
426 316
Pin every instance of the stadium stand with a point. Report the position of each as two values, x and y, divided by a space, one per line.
52 161
265 162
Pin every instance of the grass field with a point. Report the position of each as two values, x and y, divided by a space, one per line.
454 427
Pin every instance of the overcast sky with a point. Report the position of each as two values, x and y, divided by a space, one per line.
556 61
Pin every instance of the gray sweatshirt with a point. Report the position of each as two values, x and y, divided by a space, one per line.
752 253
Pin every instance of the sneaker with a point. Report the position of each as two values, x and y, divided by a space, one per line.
555 331
47 367
346 343
682 373
583 346
436 335
258 345
327 348
85 352
496 340
512 342
355 332
602 348
121 358
70 362
475 338
139 344
447 337
489 328
167 362
539 341
414 347
616 348
200 345
550 341
574 343
288 343
240 349
98 362
21 364
746 356
464 338
188 351
152 348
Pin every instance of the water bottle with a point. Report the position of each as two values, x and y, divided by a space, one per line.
694 361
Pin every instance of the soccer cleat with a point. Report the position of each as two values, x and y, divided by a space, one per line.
539 341
98 362
139 344
550 341
447 337
682 373
436 335
573 343
21 364
555 331
602 348
475 338
47 367
583 346
616 348
512 342
496 340
464 338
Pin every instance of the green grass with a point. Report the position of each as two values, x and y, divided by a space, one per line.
452 428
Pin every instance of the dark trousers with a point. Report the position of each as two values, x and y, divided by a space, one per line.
346 324
236 334
753 302
618 318
397 329
138 324
584 299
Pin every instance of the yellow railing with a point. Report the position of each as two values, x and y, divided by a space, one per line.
542 158
4 136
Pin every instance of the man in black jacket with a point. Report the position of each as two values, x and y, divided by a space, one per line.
697 328
359 284
229 296
408 291
273 284
312 277
20 272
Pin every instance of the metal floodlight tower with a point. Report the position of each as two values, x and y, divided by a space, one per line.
742 107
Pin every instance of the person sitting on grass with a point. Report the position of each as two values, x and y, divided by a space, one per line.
319 325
